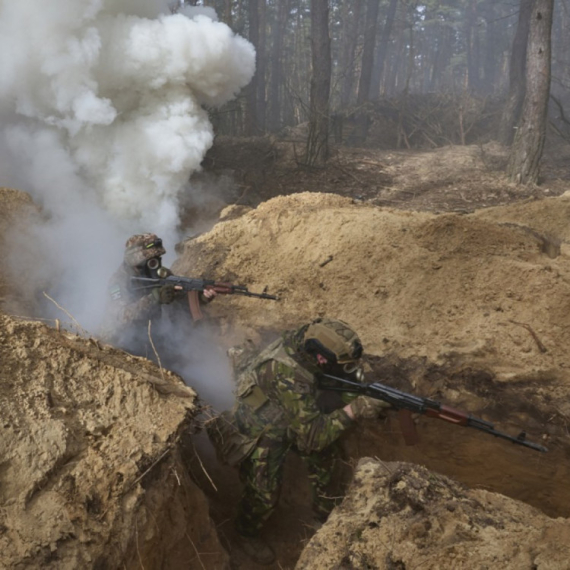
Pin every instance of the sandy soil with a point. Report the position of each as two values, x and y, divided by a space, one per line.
399 515
457 281
459 290
90 469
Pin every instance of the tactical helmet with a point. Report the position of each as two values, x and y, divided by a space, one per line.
142 247
334 339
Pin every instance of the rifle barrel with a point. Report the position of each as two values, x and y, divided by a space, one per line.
416 404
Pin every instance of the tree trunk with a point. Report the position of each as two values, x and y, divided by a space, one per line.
251 91
276 79
564 42
261 98
363 121
471 45
349 51
368 51
491 41
513 105
382 50
390 86
317 150
227 13
442 58
526 152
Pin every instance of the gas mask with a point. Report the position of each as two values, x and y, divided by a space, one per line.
353 371
349 370
153 268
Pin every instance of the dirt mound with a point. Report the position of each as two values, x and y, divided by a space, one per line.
398 515
16 208
466 309
421 284
548 217
90 472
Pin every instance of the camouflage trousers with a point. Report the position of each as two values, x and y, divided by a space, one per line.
262 476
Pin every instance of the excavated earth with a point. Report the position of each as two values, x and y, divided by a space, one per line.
400 515
460 290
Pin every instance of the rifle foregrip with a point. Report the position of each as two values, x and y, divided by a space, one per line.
448 415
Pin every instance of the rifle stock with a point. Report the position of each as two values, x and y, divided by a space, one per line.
407 404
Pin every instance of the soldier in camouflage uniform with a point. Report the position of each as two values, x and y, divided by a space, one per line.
279 408
131 308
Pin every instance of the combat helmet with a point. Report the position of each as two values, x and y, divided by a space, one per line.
142 247
334 339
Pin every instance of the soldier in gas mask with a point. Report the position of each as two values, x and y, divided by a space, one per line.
131 308
279 407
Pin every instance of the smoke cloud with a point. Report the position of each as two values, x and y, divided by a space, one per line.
102 121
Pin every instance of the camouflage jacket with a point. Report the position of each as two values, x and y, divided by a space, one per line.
128 305
278 397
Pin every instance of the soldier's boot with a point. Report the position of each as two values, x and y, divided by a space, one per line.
257 549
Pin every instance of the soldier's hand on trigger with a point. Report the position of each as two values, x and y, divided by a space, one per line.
165 294
365 407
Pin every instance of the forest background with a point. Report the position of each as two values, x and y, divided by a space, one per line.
455 300
402 73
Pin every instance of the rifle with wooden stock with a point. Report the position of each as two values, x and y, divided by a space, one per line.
193 286
408 404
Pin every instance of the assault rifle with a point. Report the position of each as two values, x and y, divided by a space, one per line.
406 404
194 286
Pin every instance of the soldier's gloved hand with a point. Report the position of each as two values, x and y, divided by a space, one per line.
164 295
365 407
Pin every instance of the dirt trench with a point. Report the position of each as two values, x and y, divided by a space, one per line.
475 459
465 308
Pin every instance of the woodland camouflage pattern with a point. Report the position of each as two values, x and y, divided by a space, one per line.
278 404
140 248
128 313
129 310
130 305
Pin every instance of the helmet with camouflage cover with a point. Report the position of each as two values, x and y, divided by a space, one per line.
334 340
142 247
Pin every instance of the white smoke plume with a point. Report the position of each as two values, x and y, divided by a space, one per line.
102 121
